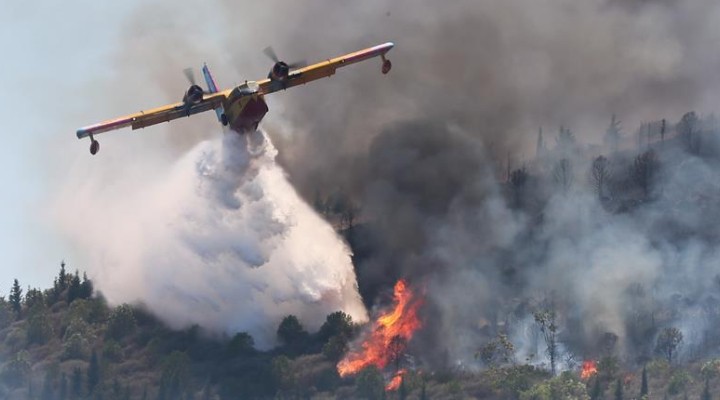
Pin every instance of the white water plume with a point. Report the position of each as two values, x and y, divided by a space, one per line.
221 239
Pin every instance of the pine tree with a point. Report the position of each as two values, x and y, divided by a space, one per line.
706 391
74 288
77 383
47 388
596 392
63 387
16 298
62 277
86 287
619 390
423 393
644 384
93 372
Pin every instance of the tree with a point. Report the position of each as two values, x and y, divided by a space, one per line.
369 384
689 130
613 135
565 140
290 331
668 342
47 392
121 322
497 351
39 328
16 298
76 383
17 370
337 323
644 170
175 375
545 320
241 343
619 390
396 350
706 391
74 288
63 395
62 278
644 384
93 372
335 348
6 313
518 179
563 174
86 288
600 173
596 392
283 373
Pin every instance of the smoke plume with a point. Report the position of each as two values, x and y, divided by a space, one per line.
427 150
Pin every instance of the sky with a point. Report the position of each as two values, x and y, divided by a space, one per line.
49 51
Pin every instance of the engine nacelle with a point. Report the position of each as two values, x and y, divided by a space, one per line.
193 95
279 71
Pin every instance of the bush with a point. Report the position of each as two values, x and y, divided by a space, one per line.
679 382
370 384
76 347
16 370
563 387
112 351
121 322
39 329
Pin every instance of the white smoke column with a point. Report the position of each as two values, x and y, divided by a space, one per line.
222 240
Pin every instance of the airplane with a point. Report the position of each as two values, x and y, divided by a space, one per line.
240 108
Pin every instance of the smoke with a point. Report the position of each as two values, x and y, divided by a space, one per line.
425 150
220 239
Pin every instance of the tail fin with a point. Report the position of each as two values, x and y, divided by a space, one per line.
212 88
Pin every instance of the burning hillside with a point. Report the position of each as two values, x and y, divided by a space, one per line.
387 340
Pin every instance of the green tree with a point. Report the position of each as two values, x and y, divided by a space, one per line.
16 298
668 342
6 313
241 344
62 278
63 395
563 387
619 390
39 328
596 392
47 392
283 373
76 383
121 322
706 391
337 323
93 372
74 288
545 320
291 331
335 348
33 298
644 384
175 377
86 288
17 370
369 384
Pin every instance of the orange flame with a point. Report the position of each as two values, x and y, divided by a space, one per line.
589 368
401 321
396 381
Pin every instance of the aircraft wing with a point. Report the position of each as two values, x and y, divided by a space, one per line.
156 115
323 69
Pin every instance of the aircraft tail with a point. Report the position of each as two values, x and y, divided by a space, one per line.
212 88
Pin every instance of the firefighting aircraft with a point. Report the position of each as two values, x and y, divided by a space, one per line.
243 107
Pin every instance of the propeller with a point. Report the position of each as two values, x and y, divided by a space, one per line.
270 53
190 75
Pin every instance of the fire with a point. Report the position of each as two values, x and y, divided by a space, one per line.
589 368
396 381
401 321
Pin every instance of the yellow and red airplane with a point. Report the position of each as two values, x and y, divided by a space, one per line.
243 107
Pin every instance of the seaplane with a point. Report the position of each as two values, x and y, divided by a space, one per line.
240 108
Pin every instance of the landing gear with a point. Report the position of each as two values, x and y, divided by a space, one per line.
94 146
223 119
386 65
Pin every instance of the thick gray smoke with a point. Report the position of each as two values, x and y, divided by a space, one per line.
219 239
424 151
